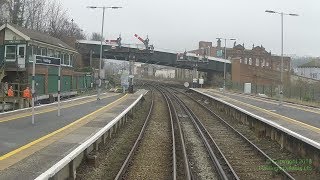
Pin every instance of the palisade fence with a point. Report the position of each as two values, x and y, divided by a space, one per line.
309 92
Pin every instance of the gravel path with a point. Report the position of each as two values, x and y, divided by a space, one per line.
153 158
111 156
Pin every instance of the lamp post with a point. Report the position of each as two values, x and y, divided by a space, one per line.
281 68
225 59
101 46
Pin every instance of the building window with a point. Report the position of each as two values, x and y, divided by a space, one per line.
39 51
66 59
245 60
263 62
250 61
267 63
240 60
10 53
257 62
50 52
44 51
71 59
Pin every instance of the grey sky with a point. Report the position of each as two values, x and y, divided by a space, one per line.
180 24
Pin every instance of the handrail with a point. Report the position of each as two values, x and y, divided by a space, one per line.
73 154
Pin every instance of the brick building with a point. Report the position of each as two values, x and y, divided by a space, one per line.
254 65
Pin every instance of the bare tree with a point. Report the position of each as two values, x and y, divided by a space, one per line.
96 37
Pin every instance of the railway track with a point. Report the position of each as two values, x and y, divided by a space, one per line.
154 152
245 158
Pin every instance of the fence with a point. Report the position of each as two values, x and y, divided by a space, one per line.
303 92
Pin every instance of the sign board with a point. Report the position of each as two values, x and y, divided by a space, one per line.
186 84
195 80
201 81
15 42
48 60
219 53
125 80
131 76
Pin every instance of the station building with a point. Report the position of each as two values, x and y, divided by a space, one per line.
18 46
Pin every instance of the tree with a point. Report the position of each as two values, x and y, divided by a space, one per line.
96 37
47 16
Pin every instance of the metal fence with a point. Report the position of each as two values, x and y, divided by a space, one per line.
309 92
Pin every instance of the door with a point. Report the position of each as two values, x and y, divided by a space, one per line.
21 52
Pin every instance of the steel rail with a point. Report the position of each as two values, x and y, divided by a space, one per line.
187 167
281 170
211 153
137 142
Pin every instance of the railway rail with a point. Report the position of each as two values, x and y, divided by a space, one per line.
243 156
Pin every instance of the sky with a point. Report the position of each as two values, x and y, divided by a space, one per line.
176 25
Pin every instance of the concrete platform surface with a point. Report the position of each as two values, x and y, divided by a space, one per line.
300 119
29 150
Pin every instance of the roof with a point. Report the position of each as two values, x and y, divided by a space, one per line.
313 63
38 36
210 58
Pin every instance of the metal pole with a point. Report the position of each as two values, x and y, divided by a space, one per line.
33 85
100 61
281 71
224 65
59 89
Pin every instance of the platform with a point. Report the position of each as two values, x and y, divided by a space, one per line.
302 120
28 150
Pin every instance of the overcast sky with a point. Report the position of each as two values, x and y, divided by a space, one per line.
180 24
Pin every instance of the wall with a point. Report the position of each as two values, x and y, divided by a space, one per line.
9 35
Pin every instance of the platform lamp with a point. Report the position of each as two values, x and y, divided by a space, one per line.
101 45
281 68
225 59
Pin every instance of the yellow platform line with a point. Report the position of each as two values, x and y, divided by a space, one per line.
50 109
3 157
286 105
293 121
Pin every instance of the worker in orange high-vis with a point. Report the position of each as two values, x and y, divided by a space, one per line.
27 95
10 92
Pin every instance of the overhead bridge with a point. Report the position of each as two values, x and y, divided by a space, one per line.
139 53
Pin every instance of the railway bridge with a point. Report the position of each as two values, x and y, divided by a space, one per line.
90 52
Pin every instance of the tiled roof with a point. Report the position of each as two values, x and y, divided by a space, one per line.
313 63
42 37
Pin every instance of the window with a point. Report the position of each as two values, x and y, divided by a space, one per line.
250 61
71 59
257 62
58 54
50 52
263 62
245 60
21 52
67 59
240 60
10 53
39 51
44 51
267 64
62 58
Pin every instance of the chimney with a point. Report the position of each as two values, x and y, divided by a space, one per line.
219 43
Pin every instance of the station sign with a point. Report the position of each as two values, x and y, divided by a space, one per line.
201 81
48 60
